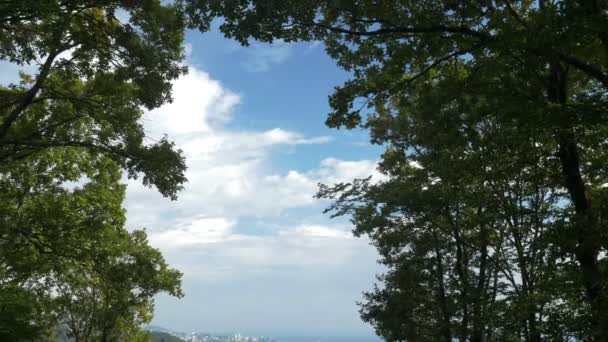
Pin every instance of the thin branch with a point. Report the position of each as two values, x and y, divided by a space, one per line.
514 13
445 58
67 143
409 30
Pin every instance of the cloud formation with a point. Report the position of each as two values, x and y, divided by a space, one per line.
260 57
229 174
233 188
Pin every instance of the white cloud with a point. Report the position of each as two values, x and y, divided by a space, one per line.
209 230
199 231
278 135
230 179
198 104
282 284
209 233
334 170
229 173
316 230
260 57
211 246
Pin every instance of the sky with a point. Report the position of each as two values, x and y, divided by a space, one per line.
257 253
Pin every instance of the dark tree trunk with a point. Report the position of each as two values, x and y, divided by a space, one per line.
478 314
533 333
462 271
588 239
494 291
446 331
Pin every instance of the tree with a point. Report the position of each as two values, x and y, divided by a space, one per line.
23 314
164 337
67 252
540 64
95 74
110 297
65 255
465 233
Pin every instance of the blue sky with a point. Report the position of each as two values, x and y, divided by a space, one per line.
258 255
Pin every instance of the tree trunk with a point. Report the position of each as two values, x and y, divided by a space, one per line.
588 239
462 272
446 331
478 314
533 333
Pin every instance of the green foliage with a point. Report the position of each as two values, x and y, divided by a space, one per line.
390 44
66 255
468 235
66 134
493 115
112 296
96 75
23 314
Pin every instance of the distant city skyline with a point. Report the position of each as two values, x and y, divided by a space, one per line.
238 337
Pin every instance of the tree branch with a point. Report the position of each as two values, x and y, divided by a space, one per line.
30 94
590 69
514 13
410 30
68 143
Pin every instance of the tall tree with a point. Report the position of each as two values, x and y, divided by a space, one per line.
541 64
466 233
99 62
65 251
76 121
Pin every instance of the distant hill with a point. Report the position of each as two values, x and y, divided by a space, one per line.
158 336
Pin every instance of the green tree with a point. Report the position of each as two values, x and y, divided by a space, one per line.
541 64
65 256
76 121
110 297
164 337
23 314
465 233
96 74
66 251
